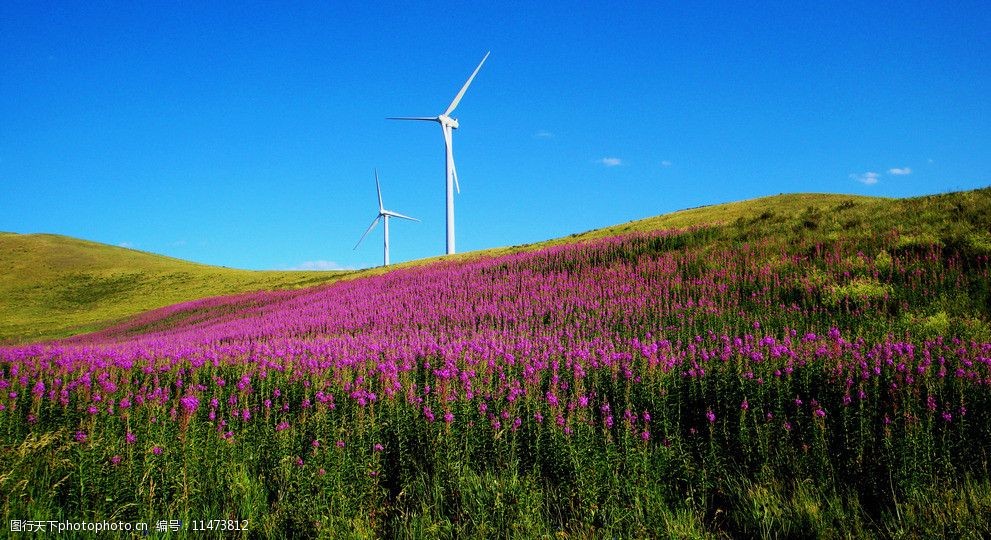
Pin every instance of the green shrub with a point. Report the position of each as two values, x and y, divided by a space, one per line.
861 290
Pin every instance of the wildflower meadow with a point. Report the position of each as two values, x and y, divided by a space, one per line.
692 382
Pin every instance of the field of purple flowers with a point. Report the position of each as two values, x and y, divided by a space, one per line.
698 382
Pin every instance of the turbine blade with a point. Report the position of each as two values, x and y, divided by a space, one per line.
449 141
398 215
461 94
378 188
425 118
454 173
368 230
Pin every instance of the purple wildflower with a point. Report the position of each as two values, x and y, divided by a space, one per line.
189 403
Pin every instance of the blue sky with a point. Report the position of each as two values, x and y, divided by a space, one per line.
246 136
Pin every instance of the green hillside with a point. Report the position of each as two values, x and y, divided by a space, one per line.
960 219
53 286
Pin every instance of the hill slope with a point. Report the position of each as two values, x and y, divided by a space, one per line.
52 286
958 223
808 364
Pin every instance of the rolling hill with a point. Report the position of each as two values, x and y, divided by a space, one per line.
53 286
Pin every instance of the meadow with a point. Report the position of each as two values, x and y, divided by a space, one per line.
804 369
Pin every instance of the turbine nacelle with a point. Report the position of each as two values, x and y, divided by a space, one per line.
447 121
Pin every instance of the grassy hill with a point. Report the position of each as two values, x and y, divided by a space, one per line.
960 220
826 215
53 286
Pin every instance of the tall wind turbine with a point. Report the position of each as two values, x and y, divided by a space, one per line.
384 215
448 125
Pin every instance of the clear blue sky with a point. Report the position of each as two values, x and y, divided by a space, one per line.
246 136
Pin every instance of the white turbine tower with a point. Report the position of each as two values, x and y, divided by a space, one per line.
384 215
448 125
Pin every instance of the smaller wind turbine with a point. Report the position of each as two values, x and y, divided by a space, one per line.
384 215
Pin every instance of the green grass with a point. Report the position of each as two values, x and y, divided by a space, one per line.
960 217
54 286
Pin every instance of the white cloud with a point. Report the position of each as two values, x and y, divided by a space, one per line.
543 134
610 161
127 245
869 178
900 171
666 163
319 266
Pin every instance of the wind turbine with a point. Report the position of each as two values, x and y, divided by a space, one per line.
448 125
384 215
